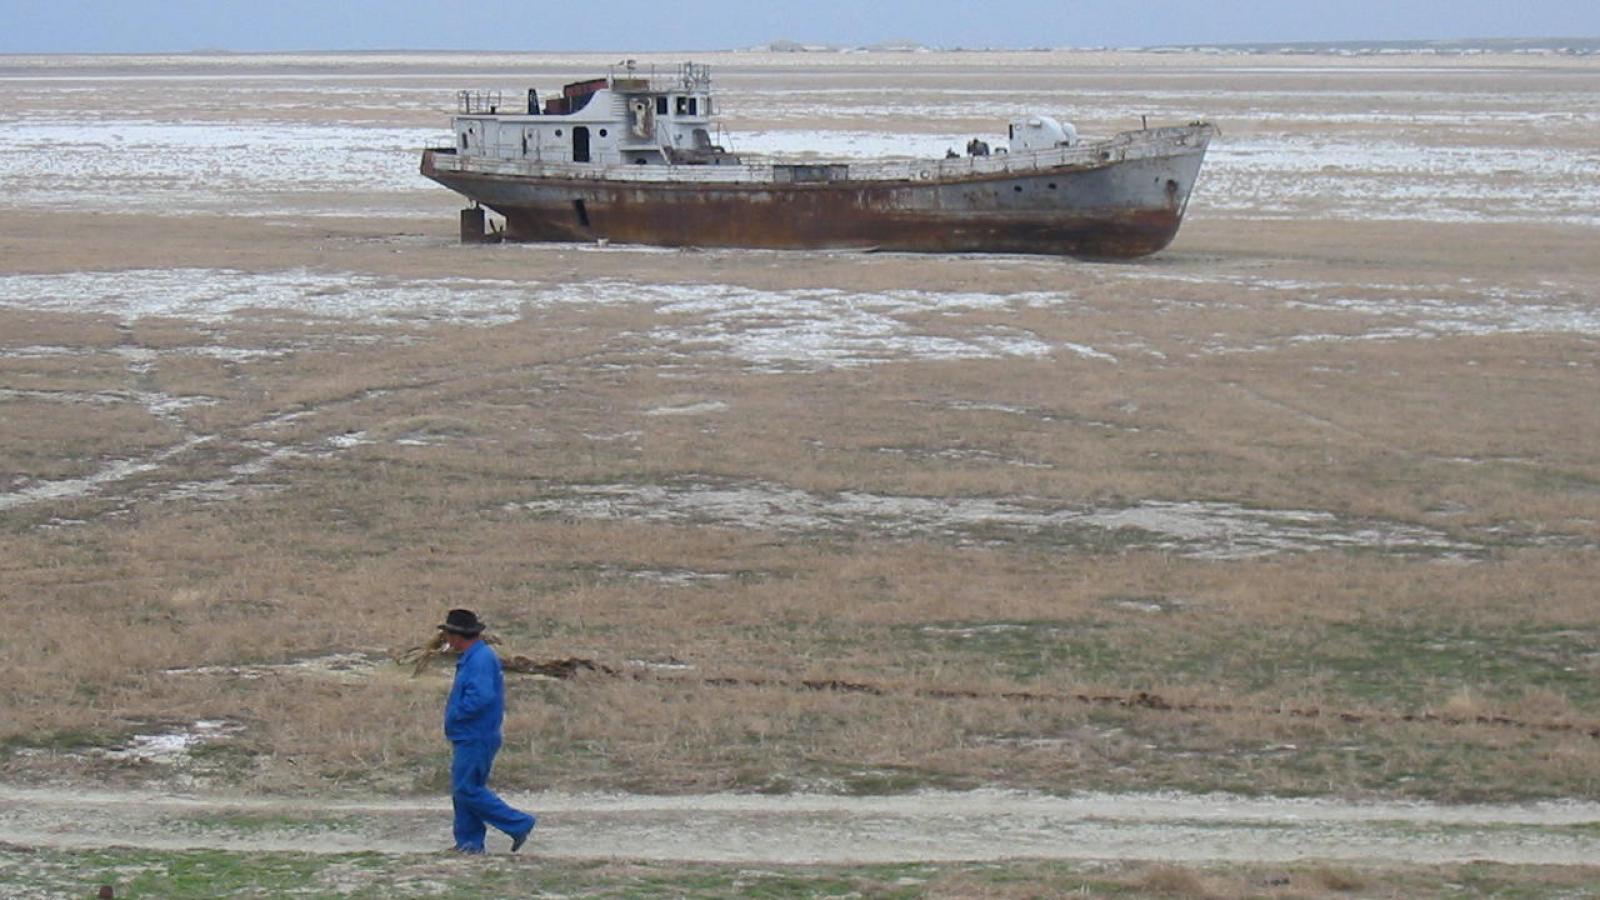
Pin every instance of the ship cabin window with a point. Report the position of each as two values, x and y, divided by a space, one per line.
661 105
708 105
686 106
463 140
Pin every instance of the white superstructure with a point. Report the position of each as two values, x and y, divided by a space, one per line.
622 119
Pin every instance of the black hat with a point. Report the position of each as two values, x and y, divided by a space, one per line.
462 621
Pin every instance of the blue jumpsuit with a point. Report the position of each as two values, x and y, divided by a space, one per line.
472 723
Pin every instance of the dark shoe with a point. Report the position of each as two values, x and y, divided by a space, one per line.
519 840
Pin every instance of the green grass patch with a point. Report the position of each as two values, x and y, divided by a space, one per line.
180 875
1405 665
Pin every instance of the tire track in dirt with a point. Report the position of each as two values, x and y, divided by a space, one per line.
798 829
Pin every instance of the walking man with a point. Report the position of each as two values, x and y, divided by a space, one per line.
472 724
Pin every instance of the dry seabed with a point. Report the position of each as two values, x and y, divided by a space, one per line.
815 327
1322 475
1204 530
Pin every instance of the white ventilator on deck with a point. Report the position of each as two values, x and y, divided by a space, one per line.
1040 133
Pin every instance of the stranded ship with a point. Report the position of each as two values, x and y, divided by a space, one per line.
630 158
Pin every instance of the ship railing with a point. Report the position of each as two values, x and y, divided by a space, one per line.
688 77
694 76
475 103
1132 145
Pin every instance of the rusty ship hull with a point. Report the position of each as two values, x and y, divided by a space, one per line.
1120 198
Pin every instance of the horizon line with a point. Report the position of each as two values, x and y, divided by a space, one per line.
884 46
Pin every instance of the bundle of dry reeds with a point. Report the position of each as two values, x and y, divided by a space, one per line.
422 655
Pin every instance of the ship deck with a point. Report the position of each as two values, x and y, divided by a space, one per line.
1129 145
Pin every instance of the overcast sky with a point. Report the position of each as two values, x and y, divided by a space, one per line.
133 26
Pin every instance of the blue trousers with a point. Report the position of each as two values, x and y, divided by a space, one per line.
476 805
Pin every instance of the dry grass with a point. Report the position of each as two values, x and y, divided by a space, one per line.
366 551
1489 440
1341 880
1176 881
66 439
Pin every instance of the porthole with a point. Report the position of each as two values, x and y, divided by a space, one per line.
602 132
558 132
1017 188
1052 185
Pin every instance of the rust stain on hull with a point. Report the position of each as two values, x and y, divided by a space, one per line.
831 225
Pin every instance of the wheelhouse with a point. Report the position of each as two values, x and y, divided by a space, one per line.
622 119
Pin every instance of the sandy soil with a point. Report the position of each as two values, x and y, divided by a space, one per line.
978 825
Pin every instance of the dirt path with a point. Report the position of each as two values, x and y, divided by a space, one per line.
980 825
